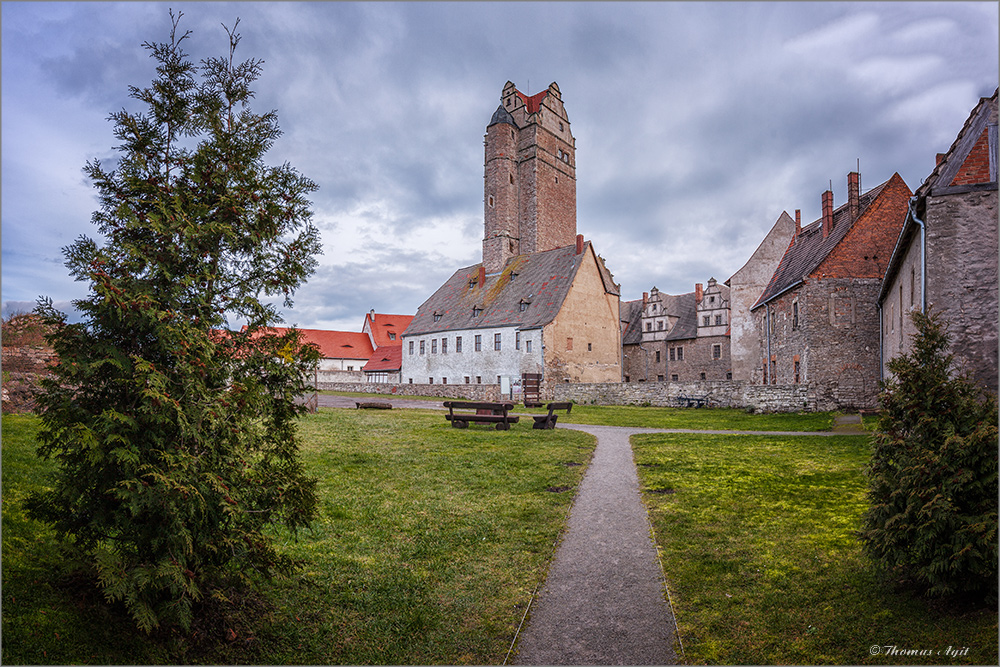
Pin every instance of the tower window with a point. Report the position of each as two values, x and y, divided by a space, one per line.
511 176
490 201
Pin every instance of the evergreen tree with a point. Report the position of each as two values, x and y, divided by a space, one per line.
175 436
933 472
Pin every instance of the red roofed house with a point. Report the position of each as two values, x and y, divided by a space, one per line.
342 353
817 319
946 255
385 332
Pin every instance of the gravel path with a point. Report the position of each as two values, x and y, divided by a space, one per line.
603 602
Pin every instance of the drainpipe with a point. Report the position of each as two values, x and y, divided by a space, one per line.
923 254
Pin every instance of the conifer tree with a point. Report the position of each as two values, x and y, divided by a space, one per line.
932 478
174 433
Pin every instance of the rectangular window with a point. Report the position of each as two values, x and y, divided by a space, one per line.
680 354
411 347
672 354
659 378
718 320
350 368
444 346
467 379
569 343
478 343
674 377
430 380
527 345
795 314
716 351
434 345
797 368
649 326
422 347
479 379
517 340
706 320
498 379
496 342
657 356
444 380
659 325
590 347
458 344
702 376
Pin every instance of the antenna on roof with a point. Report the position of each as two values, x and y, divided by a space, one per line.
860 190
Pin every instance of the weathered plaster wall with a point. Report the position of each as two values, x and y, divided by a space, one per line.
452 367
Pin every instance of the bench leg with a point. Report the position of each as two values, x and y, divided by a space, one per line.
458 423
503 426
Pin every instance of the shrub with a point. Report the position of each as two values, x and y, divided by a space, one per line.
933 472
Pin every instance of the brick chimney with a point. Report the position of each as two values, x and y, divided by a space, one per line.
482 275
827 213
854 194
798 222
645 298
939 158
698 292
579 244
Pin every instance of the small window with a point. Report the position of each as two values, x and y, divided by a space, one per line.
434 346
711 299
430 380
444 346
498 379
702 376
411 347
523 306
560 126
437 317
649 326
479 379
444 380
422 347
729 375
490 201
409 381
718 320
517 340
392 336
796 370
476 312
467 379
659 378
795 314
458 344
569 343
716 351
590 347
350 368
527 345
511 176
496 342
479 343
659 325
673 377
706 320
672 354
657 356
680 354
512 276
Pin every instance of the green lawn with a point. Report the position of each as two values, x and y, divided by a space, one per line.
429 544
710 419
757 539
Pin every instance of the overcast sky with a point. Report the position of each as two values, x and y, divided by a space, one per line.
696 124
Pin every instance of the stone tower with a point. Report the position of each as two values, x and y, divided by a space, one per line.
530 177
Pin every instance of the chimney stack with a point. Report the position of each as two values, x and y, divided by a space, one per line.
482 275
579 244
854 194
645 298
698 293
798 222
939 159
827 213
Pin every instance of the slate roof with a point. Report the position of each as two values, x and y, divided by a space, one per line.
387 358
540 280
381 325
681 306
807 250
501 115
944 172
631 313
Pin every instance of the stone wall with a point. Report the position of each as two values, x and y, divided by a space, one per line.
470 392
721 394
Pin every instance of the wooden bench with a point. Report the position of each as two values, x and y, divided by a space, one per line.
373 405
549 421
485 413
690 401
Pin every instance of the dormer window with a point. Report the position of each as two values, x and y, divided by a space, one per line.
392 336
437 317
476 311
512 276
523 306
472 283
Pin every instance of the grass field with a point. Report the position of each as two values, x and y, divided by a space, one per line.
429 543
757 540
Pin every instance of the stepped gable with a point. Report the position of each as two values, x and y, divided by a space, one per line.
808 249
540 280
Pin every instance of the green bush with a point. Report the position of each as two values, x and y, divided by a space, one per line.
933 472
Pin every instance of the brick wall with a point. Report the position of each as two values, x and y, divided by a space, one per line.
471 392
735 394
976 168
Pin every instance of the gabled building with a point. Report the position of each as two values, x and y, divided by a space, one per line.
946 255
385 329
553 312
745 287
342 353
678 338
817 319
542 300
385 365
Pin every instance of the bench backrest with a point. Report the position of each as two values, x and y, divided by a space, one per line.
560 406
467 405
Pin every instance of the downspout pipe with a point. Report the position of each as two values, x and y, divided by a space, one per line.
923 254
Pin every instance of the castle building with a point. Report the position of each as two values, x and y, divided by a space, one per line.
678 338
817 319
542 300
946 256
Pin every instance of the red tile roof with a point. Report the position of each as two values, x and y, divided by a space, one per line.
336 344
534 102
387 329
388 358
